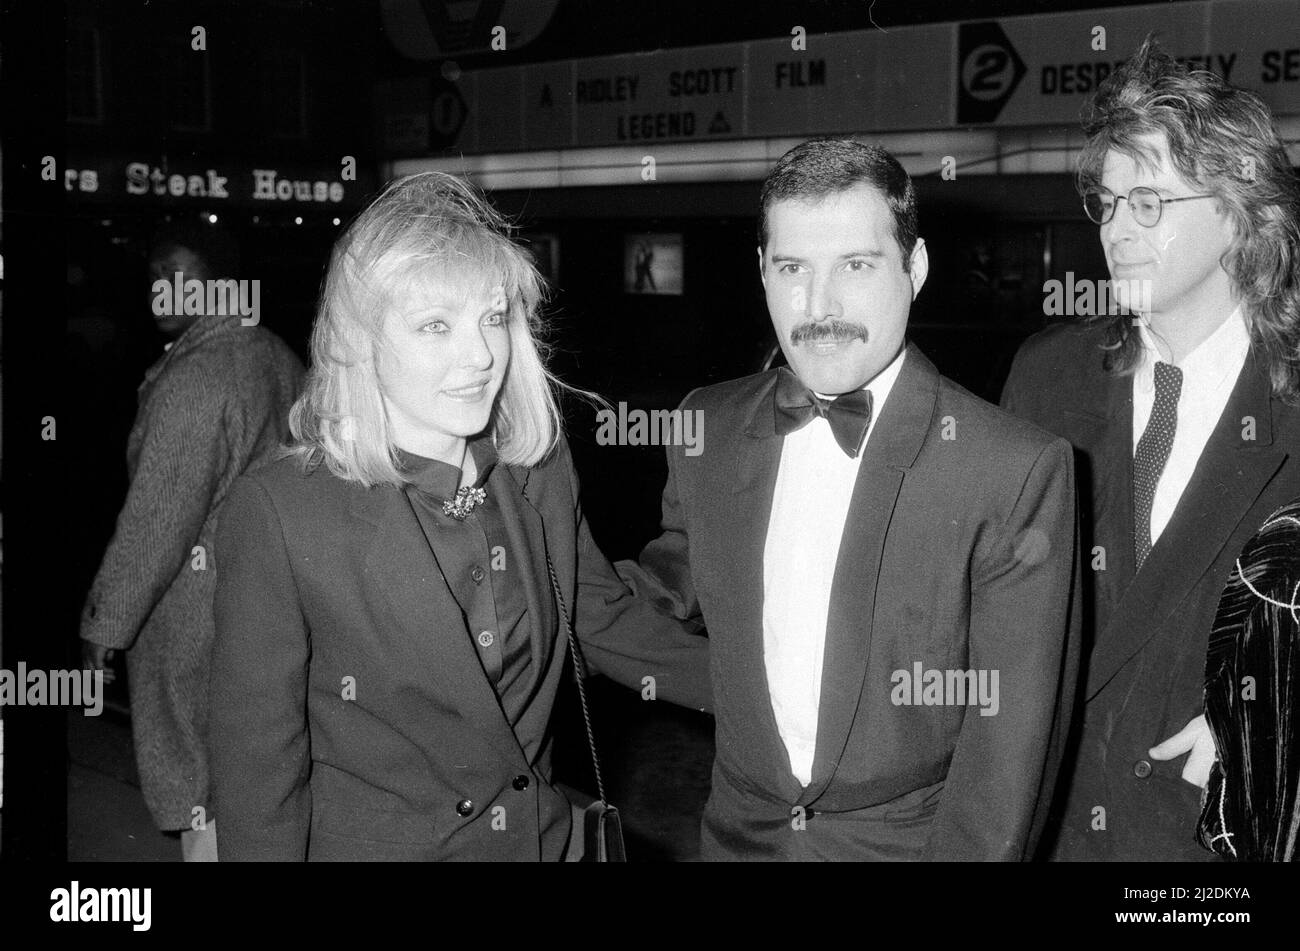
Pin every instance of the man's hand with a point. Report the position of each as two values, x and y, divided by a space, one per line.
98 657
1196 738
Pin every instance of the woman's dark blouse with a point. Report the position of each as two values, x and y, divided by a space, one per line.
484 576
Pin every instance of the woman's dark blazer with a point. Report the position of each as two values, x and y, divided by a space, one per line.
350 715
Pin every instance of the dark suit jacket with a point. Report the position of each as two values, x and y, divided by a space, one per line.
957 553
321 580
1145 667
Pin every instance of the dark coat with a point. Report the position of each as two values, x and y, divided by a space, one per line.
1252 673
1145 666
214 406
321 580
958 552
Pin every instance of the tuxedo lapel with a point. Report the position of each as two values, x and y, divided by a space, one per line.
892 448
758 458
1232 472
399 559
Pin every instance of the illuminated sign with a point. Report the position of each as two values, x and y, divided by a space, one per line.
116 179
1014 71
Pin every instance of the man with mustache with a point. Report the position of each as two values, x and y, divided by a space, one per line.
1186 426
886 564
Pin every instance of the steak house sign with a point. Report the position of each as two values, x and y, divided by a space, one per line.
270 186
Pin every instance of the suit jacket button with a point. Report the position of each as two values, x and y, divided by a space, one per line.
520 783
465 807
1141 769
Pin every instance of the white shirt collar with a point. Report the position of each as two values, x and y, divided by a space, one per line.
881 383
1221 353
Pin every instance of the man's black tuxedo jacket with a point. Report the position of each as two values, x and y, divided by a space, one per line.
1146 636
959 551
320 580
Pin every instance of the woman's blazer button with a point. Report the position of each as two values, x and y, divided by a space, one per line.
465 807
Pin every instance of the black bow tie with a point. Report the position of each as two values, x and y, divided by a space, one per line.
796 405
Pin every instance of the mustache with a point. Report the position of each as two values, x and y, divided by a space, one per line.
812 331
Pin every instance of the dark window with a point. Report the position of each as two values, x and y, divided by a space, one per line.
189 85
85 83
283 92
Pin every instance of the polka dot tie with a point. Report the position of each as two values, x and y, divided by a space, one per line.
1153 452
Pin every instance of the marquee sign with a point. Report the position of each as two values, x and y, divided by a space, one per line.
1014 71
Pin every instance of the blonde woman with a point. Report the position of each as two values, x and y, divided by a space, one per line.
388 643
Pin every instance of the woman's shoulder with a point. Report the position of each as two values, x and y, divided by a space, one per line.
551 479
286 469
292 485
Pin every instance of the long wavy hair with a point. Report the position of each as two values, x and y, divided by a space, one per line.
429 227
1221 139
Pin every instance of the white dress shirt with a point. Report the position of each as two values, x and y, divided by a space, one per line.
1209 374
810 503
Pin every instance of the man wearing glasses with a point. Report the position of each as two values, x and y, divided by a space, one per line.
1184 420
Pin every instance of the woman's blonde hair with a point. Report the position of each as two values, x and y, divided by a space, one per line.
427 227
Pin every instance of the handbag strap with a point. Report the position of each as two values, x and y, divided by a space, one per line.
580 674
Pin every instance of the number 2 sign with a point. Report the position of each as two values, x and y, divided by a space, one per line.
990 70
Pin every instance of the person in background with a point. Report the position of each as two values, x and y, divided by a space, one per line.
1184 418
214 405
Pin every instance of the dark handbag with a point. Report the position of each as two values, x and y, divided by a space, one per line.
602 829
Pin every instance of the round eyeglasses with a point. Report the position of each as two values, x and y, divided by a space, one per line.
1146 204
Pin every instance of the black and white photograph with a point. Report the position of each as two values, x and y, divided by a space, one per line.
603 431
